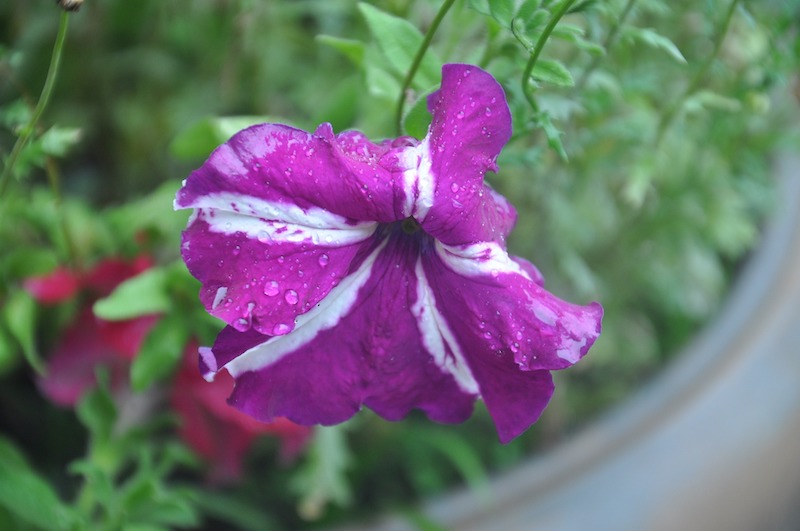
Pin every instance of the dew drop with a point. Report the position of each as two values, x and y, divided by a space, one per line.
291 296
323 260
237 250
272 288
518 335
460 115
487 335
263 236
281 329
454 187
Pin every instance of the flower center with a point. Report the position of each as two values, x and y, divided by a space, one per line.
410 225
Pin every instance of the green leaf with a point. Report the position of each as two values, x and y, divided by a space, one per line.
417 119
380 82
161 351
199 139
503 11
9 353
706 99
399 41
553 135
27 495
57 141
552 72
97 411
350 48
651 38
144 294
322 478
20 317
231 509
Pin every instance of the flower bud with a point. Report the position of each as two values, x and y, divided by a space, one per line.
70 5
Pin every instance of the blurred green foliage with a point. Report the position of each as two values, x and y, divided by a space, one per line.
640 167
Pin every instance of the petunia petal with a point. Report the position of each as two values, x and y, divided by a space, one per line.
364 344
279 217
512 331
471 124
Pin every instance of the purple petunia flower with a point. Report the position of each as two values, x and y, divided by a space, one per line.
355 273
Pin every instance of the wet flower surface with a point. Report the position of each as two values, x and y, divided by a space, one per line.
354 273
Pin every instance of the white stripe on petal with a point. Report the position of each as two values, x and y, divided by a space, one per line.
477 259
327 314
426 182
437 336
271 221
419 182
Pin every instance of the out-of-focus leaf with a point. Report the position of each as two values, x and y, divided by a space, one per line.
57 141
350 48
231 509
706 99
380 82
652 38
553 135
322 480
27 495
199 139
552 72
144 294
20 317
399 41
417 119
161 351
97 411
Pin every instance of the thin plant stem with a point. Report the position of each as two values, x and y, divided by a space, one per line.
607 43
537 50
426 42
44 98
697 80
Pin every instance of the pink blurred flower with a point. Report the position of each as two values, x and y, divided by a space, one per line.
221 434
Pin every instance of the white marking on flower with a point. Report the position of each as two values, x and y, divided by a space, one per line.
571 349
477 259
277 221
220 295
436 336
327 314
419 182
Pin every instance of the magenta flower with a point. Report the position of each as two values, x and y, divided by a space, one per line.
355 273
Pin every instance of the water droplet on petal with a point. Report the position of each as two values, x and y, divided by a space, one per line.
454 187
460 115
281 329
237 250
488 111
263 236
487 335
272 288
291 296
518 335
323 260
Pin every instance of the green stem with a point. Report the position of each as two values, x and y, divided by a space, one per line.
607 43
44 98
699 77
418 61
537 50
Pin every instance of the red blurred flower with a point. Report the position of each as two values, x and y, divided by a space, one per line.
219 433
89 342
